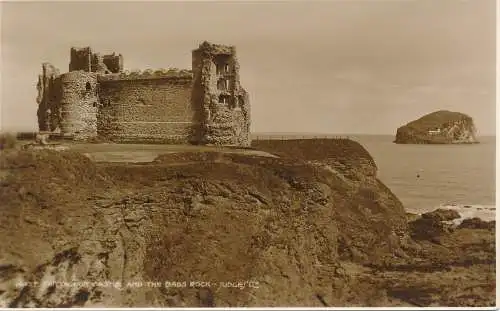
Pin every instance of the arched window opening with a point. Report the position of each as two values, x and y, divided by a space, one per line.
88 87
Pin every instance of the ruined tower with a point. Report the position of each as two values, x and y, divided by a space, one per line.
216 88
113 62
48 97
79 104
80 59
84 59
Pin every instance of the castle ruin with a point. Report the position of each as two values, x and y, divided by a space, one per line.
98 99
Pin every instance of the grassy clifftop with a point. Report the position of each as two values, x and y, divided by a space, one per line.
344 154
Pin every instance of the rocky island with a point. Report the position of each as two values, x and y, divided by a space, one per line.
440 127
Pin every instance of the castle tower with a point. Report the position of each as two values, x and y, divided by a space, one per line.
79 104
217 90
80 59
114 62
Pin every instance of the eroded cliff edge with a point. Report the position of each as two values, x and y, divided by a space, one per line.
312 228
440 127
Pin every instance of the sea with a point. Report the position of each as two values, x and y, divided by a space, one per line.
427 177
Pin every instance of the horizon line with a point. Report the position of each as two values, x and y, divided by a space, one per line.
339 134
277 133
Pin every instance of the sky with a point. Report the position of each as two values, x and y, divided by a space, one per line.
343 67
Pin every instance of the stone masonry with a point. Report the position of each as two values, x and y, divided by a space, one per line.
98 99
78 105
49 96
225 107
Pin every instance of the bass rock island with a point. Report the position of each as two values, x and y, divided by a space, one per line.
440 127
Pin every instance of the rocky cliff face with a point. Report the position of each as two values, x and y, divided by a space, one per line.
440 127
312 228
263 231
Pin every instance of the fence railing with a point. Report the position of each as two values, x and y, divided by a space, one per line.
292 137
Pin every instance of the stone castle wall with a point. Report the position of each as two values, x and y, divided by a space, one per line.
157 109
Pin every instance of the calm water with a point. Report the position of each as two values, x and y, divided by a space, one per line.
451 176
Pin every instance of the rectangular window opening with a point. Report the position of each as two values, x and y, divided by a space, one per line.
222 99
223 84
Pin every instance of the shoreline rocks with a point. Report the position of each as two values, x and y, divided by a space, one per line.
432 225
442 214
477 223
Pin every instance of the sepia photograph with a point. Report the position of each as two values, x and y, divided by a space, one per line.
233 154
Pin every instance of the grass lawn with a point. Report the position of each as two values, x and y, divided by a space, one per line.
106 152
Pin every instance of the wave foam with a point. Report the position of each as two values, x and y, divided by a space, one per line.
484 212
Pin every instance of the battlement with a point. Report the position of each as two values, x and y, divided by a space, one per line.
171 73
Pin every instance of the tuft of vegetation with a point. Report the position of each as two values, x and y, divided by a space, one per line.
437 119
8 141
